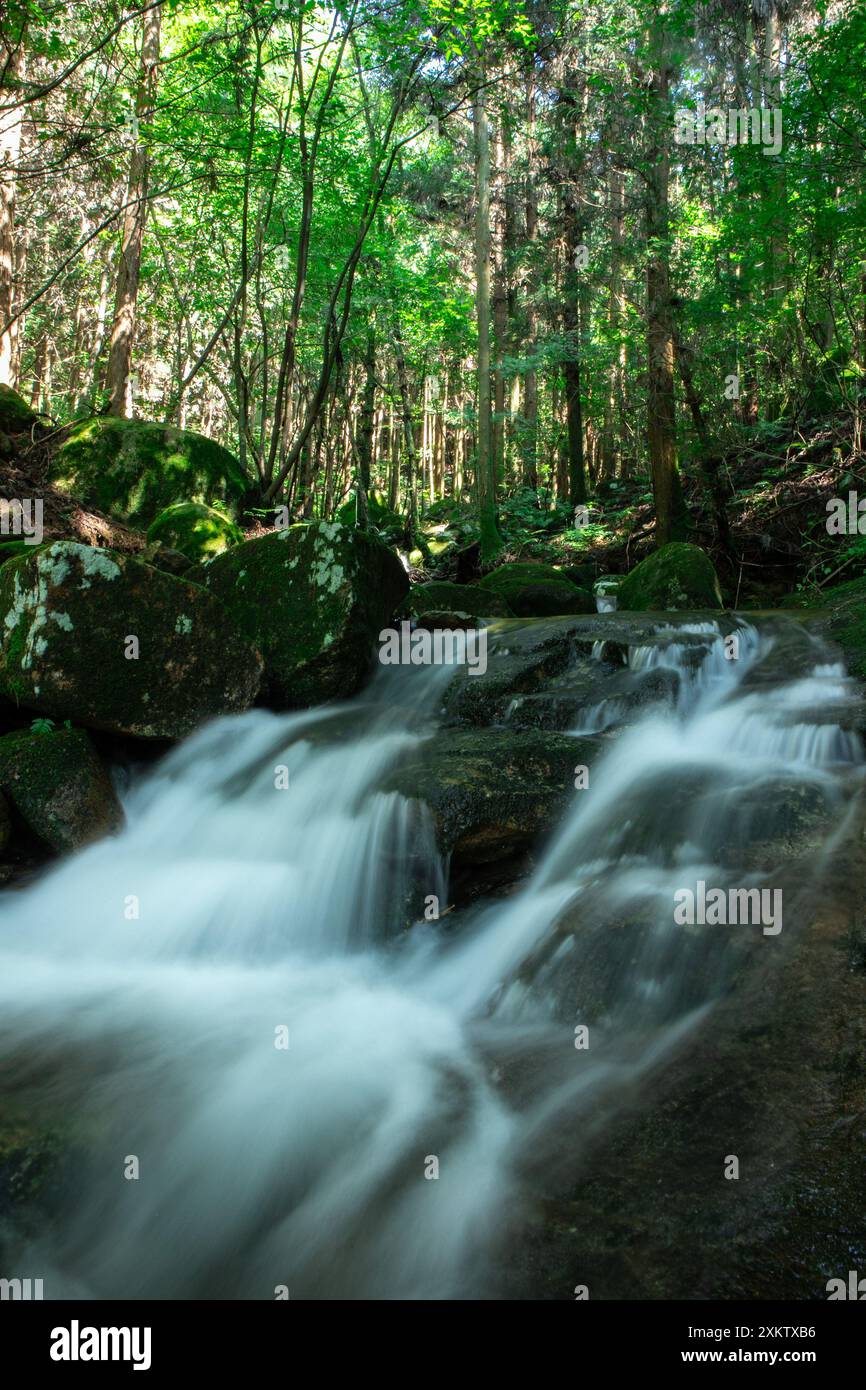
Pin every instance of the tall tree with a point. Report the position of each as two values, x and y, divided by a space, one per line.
485 466
117 381
670 509
13 27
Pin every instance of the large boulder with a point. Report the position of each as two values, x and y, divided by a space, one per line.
537 591
99 638
379 514
454 598
16 417
59 786
678 575
134 469
842 618
313 599
194 530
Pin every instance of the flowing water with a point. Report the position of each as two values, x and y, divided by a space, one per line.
224 992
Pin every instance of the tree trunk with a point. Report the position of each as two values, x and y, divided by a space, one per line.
411 469
500 292
611 451
530 380
366 423
671 518
485 478
129 268
11 64
572 238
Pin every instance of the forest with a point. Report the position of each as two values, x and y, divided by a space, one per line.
480 262
522 341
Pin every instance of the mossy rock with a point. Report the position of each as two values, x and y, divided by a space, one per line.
70 616
379 514
313 599
537 591
197 531
59 786
460 598
5 822
16 417
448 620
678 575
10 550
845 621
33 1163
134 469
584 576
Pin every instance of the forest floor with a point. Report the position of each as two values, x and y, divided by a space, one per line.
24 473
776 511
775 485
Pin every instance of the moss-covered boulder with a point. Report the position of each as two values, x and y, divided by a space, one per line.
10 550
134 469
456 598
537 591
99 638
843 619
5 823
678 575
197 531
379 514
313 599
59 786
16 417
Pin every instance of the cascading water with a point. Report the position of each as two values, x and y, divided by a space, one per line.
223 993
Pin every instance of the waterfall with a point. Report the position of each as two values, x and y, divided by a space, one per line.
318 1099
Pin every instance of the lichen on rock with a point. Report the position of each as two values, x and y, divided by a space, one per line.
111 643
313 598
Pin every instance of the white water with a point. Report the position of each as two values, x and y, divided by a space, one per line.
262 909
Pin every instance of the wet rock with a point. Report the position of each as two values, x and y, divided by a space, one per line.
59 786
520 659
841 616
493 794
570 661
5 823
594 698
434 619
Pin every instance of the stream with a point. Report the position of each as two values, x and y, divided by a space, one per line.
271 1085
